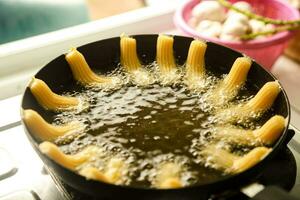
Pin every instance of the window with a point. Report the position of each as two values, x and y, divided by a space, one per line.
51 27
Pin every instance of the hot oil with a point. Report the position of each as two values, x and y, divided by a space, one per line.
147 126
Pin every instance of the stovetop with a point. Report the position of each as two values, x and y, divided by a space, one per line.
283 165
22 175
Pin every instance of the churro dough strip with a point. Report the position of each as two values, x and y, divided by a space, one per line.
217 157
131 62
265 97
45 131
114 170
50 100
112 174
165 56
129 57
231 84
170 183
261 102
81 70
237 75
195 63
223 160
168 176
68 161
271 130
250 159
235 135
267 134
92 173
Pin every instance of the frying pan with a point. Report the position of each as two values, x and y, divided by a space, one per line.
103 56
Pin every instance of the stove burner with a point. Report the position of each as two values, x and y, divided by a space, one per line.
283 165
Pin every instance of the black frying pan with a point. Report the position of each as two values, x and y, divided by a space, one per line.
103 56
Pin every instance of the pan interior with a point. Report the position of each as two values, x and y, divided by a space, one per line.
149 125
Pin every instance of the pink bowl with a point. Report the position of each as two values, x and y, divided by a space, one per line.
265 51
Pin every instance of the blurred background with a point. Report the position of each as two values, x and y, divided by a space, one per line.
24 18
33 32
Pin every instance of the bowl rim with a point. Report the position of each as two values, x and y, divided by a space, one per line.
181 24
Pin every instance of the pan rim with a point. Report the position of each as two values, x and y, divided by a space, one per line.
275 148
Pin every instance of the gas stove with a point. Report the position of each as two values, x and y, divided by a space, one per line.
23 175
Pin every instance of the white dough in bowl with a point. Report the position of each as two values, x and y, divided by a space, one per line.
209 28
237 17
236 25
257 26
242 5
209 10
228 37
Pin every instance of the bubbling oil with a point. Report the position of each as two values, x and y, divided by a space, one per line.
147 126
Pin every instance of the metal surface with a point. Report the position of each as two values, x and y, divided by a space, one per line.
31 181
30 177
252 189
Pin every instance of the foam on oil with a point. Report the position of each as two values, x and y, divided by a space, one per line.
147 124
